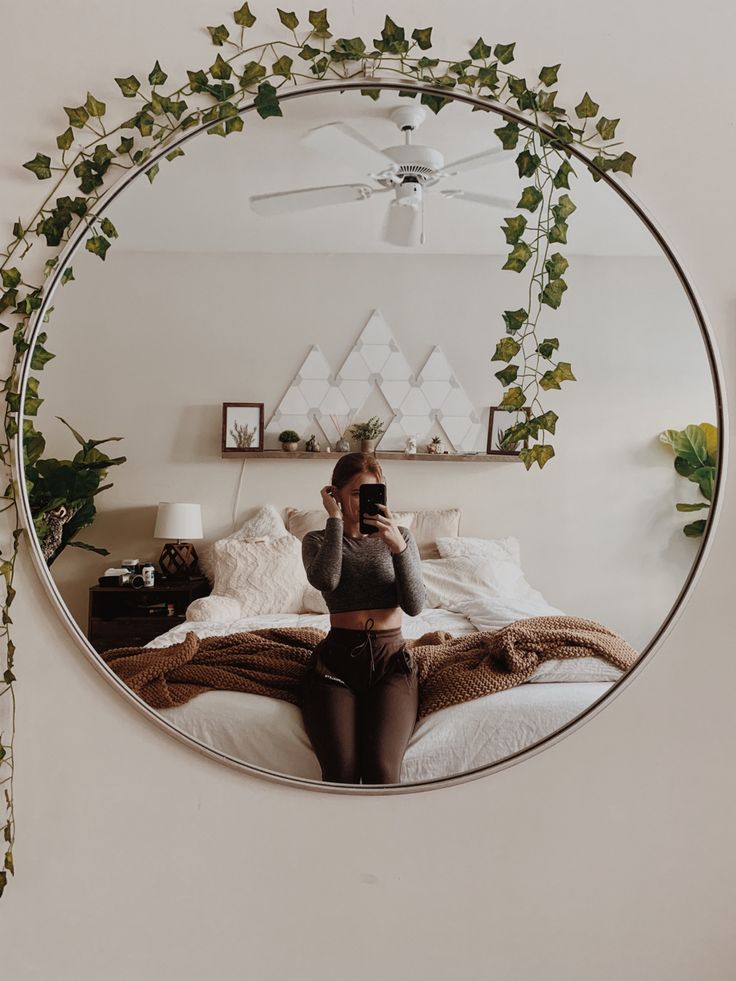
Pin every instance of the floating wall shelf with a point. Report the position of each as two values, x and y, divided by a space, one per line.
386 455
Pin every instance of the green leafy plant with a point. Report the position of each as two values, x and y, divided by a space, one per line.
61 492
696 456
368 430
289 436
93 151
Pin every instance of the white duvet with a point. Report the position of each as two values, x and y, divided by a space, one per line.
269 732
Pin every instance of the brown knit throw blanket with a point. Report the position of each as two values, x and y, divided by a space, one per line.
272 661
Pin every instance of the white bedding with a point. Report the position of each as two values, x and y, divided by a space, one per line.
269 732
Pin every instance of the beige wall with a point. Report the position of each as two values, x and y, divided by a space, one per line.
149 345
608 855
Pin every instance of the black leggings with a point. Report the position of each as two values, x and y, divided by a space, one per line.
360 698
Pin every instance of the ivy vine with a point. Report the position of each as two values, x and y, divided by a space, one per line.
243 74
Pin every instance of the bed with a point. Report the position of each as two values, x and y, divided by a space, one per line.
472 584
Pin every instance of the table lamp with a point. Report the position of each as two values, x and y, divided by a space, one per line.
183 522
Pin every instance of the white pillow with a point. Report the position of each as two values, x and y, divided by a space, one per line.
223 609
313 601
263 576
492 548
265 523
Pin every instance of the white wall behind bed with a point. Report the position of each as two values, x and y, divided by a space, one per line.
172 336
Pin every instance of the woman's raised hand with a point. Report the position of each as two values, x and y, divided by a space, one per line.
332 507
387 529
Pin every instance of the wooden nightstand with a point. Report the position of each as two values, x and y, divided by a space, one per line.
118 615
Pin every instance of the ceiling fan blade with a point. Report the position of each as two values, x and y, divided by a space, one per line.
404 225
284 202
340 141
491 200
476 160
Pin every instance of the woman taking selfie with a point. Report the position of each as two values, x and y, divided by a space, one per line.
360 692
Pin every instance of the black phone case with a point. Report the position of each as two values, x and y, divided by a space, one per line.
370 496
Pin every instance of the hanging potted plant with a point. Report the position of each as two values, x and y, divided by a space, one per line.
368 433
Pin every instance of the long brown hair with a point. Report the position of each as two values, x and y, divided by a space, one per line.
351 464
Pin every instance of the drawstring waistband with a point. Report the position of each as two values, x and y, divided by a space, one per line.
367 641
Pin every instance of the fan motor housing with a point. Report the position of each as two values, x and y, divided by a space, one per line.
421 162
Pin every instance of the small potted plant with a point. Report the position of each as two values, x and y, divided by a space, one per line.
368 433
436 446
289 440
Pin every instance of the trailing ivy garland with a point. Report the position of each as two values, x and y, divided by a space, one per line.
241 75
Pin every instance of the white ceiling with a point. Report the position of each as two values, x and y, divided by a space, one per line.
199 202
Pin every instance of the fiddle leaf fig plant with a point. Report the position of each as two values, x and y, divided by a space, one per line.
93 149
696 456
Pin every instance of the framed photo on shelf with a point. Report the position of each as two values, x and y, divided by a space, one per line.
242 427
500 422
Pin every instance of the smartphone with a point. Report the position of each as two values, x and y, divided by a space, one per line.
370 496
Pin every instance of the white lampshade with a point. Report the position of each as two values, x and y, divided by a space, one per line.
182 521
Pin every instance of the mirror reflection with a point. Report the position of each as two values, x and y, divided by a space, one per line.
314 547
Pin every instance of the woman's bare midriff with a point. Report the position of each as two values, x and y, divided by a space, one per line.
355 619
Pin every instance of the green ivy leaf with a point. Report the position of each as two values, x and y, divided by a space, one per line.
320 25
243 17
98 245
552 293
530 198
93 107
518 257
508 135
252 72
537 454
480 50
267 101
607 127
157 75
548 76
308 53
556 265
547 421
504 52
692 507
554 377
66 139
488 77
514 229
513 398
527 163
564 208
220 68
624 162
348 49
289 20
558 232
546 101
434 102
561 177
11 278
548 346
394 37
515 319
219 34
40 166
425 62
506 349
40 355
507 375
77 117
107 228
126 144
282 66
423 37
586 108
66 276
129 86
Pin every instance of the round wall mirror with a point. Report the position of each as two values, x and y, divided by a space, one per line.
339 265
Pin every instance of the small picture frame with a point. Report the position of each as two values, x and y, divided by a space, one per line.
500 421
242 427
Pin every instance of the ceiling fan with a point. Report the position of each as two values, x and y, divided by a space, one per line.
410 170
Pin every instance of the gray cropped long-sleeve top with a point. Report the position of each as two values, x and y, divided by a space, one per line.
363 573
